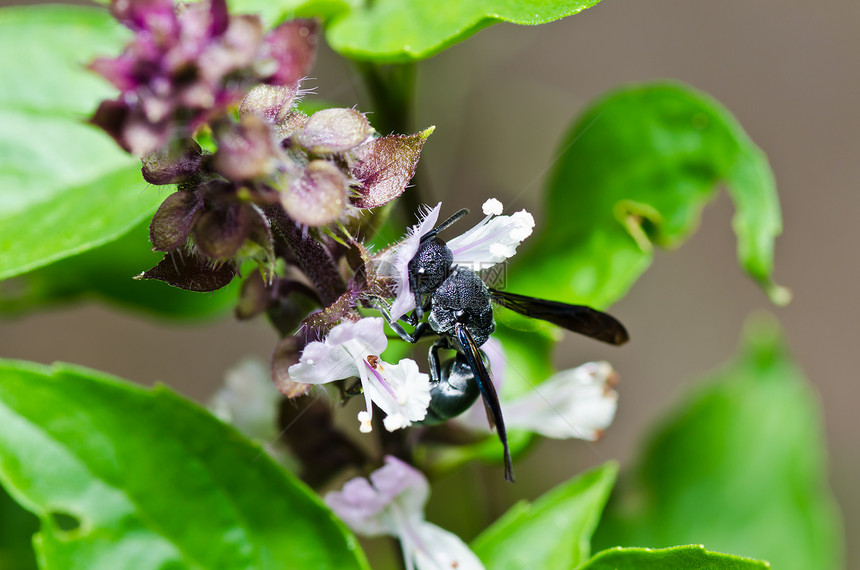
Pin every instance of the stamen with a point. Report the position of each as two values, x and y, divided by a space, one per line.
381 379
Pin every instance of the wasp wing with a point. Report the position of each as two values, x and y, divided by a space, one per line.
576 318
491 399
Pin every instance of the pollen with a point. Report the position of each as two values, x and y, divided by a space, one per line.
364 418
492 207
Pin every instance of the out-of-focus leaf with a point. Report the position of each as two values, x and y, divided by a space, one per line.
123 477
106 273
67 187
17 528
678 558
392 31
633 173
554 532
739 466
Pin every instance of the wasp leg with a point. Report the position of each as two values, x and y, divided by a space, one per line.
433 359
383 307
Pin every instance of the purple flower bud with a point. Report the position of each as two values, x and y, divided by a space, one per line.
219 233
254 297
317 197
384 167
245 150
189 64
172 166
286 354
334 130
172 223
272 103
292 46
156 16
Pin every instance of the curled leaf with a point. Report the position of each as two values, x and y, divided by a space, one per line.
191 272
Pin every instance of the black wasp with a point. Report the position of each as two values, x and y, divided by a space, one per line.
459 310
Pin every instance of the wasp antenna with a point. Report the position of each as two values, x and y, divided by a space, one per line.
488 391
450 221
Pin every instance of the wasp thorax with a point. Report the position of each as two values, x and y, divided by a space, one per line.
430 265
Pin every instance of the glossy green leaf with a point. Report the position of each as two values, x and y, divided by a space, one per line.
633 173
554 532
123 477
739 466
106 273
66 187
392 31
677 558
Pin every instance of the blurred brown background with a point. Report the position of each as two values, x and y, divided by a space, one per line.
500 101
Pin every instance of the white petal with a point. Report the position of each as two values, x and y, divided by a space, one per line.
399 481
575 403
442 550
367 507
395 265
361 507
369 332
493 240
321 363
412 389
343 352
401 391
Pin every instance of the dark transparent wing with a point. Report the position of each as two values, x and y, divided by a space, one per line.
576 318
469 349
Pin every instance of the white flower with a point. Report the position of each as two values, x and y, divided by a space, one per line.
248 400
493 239
395 264
575 403
392 503
352 349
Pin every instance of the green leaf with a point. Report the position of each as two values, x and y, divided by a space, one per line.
17 528
552 533
106 273
739 466
633 173
66 187
680 558
398 31
123 477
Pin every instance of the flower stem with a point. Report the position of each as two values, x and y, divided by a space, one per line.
313 259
